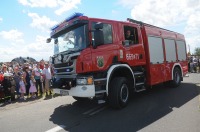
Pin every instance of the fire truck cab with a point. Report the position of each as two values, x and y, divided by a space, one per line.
94 58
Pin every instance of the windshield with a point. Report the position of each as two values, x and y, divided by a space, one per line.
73 40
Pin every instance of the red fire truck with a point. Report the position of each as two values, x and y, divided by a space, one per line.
94 59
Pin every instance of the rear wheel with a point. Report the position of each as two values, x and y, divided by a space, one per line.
119 92
176 77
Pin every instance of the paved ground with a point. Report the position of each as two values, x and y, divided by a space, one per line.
160 109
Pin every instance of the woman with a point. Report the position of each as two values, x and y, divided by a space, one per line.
26 79
16 76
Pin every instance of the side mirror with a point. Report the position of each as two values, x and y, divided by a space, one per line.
56 41
98 38
48 40
98 35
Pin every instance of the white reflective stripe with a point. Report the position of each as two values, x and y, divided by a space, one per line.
110 71
176 64
121 54
79 91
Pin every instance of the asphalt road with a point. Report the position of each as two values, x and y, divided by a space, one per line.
160 109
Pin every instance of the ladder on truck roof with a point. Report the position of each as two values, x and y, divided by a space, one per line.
146 24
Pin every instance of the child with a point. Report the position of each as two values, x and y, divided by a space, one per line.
22 88
32 89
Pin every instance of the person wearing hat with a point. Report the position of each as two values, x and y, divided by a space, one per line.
4 69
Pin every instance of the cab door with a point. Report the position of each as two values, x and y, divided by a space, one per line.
103 54
133 45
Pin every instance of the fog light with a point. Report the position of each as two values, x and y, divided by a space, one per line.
81 81
84 81
89 80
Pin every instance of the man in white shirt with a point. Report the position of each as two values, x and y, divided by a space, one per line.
47 77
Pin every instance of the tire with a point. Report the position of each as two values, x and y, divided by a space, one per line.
176 78
118 93
80 99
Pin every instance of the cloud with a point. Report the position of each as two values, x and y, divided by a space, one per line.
192 31
127 3
38 50
165 13
60 5
12 35
41 22
1 19
67 5
39 3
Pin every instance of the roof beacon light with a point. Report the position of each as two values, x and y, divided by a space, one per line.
54 27
75 15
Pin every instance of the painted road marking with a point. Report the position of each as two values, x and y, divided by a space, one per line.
198 85
91 110
99 110
56 129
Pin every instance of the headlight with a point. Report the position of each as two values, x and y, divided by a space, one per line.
84 81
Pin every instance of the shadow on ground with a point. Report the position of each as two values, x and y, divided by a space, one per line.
143 109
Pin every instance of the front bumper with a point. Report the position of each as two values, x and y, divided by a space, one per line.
78 91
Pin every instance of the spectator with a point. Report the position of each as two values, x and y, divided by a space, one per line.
12 88
7 87
26 78
4 69
22 89
16 76
42 64
47 77
37 72
32 89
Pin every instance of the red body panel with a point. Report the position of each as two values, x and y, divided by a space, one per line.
157 73
106 53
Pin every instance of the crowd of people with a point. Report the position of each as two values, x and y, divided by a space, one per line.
193 64
20 82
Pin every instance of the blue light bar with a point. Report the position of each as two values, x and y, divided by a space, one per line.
54 27
75 15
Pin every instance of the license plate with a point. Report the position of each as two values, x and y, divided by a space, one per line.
63 92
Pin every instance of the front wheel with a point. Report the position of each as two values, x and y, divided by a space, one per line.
119 92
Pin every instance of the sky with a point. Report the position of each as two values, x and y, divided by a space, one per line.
25 24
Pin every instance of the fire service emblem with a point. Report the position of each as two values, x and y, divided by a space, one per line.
100 61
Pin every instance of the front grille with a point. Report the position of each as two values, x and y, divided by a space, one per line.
68 68
63 64
65 72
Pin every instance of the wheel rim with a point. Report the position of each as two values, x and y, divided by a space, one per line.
177 77
124 93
